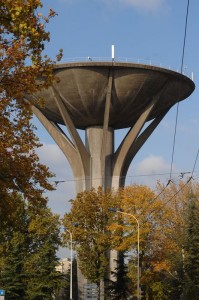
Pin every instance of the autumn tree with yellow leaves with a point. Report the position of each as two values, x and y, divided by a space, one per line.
154 220
176 281
29 232
164 247
100 230
22 41
93 238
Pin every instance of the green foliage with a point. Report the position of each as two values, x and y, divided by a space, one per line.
174 281
169 238
158 291
191 249
75 284
28 230
12 272
29 242
119 288
90 211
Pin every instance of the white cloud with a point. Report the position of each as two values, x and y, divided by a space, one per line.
152 165
148 171
52 157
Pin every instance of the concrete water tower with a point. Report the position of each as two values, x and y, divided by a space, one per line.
100 98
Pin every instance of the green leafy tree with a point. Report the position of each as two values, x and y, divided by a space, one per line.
12 272
90 211
43 279
13 245
28 248
139 205
173 281
191 254
120 287
23 179
100 230
75 283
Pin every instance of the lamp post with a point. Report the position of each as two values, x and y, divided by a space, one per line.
138 247
71 266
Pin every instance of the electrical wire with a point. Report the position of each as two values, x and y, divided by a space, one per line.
169 181
189 179
174 141
180 174
177 111
195 163
185 35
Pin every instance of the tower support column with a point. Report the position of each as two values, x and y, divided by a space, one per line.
101 151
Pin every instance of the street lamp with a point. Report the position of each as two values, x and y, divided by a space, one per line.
71 266
71 259
138 247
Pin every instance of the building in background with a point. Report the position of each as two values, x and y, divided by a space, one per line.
64 265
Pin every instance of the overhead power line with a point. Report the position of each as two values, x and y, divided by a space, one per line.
180 175
177 111
185 35
189 179
195 162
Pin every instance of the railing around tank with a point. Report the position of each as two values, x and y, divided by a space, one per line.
149 62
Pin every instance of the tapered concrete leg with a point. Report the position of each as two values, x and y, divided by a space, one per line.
101 161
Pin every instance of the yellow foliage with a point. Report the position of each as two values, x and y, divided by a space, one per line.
21 37
160 220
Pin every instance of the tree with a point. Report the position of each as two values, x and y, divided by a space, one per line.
22 41
99 231
28 245
155 225
23 37
120 288
43 281
176 197
12 267
25 247
75 283
93 239
191 255
162 235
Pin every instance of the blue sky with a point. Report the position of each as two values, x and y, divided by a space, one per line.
150 30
